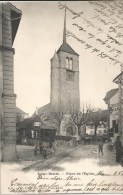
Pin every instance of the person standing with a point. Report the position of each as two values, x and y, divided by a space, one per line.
35 149
44 153
118 148
40 148
100 147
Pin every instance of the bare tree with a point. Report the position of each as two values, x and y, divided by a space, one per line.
80 117
58 117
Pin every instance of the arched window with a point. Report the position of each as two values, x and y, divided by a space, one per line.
67 63
71 64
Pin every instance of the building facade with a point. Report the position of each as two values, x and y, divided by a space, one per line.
101 129
119 80
9 23
111 99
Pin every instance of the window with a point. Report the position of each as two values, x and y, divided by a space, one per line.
113 123
69 63
37 134
32 132
70 75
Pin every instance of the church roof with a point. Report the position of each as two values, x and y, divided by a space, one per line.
19 111
43 109
110 94
66 48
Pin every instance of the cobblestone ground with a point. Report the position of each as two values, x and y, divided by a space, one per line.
63 154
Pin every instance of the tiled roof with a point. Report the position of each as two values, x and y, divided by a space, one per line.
110 94
29 123
66 48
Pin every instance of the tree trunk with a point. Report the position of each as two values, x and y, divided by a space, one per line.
58 131
95 130
79 130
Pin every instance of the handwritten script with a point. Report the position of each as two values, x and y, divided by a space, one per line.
101 26
70 182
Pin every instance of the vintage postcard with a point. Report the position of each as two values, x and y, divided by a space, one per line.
61 97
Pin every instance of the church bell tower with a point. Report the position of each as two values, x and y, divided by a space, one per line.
65 77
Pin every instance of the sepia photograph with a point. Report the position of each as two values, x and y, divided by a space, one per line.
61 97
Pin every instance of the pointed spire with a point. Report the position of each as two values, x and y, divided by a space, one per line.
64 32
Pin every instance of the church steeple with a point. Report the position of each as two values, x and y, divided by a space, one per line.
64 76
65 47
64 32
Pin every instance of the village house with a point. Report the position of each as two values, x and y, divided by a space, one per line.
111 99
119 80
101 129
32 131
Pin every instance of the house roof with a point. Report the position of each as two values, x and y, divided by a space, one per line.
116 80
15 18
66 48
29 123
110 94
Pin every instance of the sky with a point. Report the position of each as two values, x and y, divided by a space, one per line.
40 33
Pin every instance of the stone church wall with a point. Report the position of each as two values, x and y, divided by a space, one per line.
69 89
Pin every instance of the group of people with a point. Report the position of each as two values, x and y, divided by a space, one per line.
42 150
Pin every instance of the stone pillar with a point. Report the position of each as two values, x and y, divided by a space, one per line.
1 86
121 106
8 98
